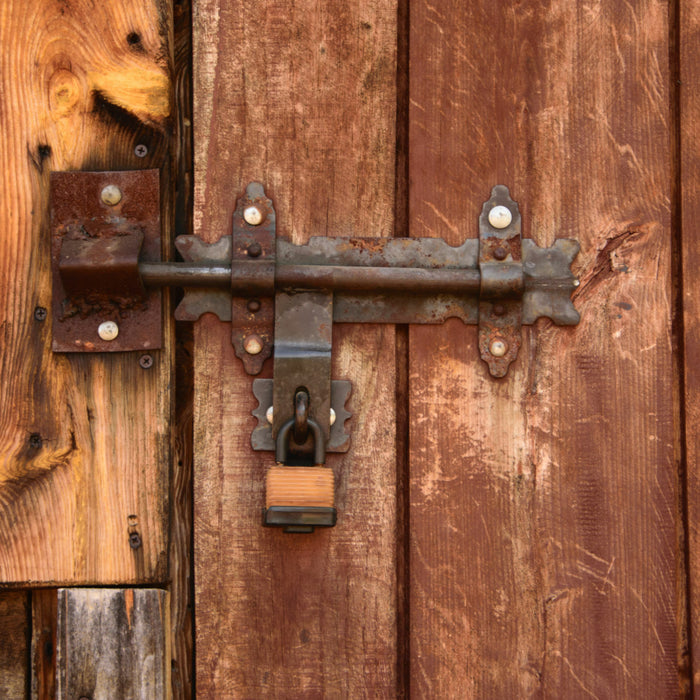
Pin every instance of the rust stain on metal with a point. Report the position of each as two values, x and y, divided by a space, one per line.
95 249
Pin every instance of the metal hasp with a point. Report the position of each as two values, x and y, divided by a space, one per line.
105 258
103 225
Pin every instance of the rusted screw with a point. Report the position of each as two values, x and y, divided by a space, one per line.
134 540
498 309
252 215
498 348
146 361
141 150
253 306
500 253
40 313
254 250
111 195
253 344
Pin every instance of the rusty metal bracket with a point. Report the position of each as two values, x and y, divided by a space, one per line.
103 224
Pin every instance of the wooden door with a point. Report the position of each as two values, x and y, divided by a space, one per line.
531 536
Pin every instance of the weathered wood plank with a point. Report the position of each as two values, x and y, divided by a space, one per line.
180 549
689 200
14 645
84 440
43 632
301 97
113 643
544 506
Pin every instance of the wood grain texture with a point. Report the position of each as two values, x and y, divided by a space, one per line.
689 113
180 549
113 643
300 97
43 632
14 645
543 557
84 440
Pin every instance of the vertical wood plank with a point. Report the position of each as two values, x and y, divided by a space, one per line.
544 505
689 113
113 643
84 440
14 645
300 96
180 549
43 632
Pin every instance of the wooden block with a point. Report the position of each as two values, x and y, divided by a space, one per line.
113 643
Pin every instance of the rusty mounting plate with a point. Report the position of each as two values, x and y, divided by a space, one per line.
97 239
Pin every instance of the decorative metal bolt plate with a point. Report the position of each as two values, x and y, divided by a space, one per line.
105 252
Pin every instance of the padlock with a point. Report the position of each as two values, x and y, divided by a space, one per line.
299 498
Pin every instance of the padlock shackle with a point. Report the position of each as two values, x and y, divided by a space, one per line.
282 444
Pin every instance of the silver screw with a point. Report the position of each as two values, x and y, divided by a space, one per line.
252 215
332 416
141 150
500 217
270 415
111 195
577 283
498 348
108 330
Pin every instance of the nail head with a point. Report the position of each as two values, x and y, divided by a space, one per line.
253 216
111 195
108 330
254 250
500 253
500 216
253 306
253 344
498 347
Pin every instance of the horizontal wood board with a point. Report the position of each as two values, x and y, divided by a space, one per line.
543 507
301 97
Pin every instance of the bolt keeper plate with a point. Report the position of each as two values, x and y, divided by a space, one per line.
85 232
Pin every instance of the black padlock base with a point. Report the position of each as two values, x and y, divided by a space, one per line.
299 519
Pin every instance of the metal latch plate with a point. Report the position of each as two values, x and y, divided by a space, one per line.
86 231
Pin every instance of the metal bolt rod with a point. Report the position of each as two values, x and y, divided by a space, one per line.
256 278
248 278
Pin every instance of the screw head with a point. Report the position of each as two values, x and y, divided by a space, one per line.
141 150
500 217
498 309
498 347
253 306
146 361
577 283
333 416
111 195
40 313
108 330
254 250
500 253
253 344
270 415
253 215
134 540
